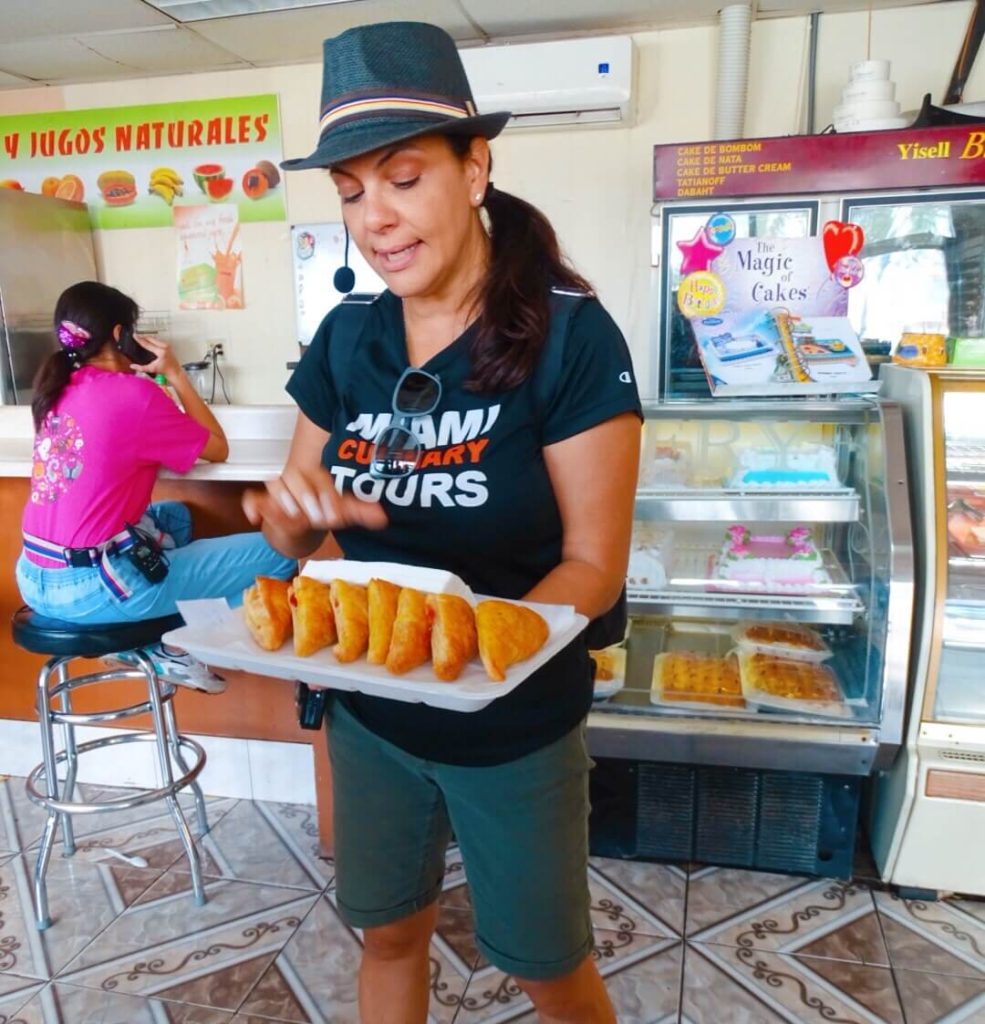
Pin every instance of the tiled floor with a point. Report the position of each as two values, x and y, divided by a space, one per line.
691 945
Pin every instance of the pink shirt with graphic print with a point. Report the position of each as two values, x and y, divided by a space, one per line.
98 453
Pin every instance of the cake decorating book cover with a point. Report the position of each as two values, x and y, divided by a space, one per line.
773 352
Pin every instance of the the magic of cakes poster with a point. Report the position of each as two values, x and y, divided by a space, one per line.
769 315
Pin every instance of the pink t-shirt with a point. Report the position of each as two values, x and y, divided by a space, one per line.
98 453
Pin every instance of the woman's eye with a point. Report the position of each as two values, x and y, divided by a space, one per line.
351 198
409 183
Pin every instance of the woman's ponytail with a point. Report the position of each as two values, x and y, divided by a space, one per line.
526 263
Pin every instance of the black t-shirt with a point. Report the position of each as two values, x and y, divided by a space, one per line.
480 504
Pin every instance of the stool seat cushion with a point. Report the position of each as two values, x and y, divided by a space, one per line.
42 635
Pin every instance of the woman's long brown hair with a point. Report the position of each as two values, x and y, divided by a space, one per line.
97 308
526 262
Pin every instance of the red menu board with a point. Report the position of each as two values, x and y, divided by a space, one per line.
909 157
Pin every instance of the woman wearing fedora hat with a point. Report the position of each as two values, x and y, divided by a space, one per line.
480 416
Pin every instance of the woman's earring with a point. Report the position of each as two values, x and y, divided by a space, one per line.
478 198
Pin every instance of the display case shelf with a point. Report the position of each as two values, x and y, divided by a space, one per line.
692 504
689 593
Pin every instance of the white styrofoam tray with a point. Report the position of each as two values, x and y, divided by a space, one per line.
221 639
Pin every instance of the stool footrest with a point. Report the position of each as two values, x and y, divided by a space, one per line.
146 796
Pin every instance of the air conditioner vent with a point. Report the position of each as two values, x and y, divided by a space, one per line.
962 755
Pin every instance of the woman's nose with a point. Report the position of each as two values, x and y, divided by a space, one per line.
378 212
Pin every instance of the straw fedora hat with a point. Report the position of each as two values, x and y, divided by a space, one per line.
388 82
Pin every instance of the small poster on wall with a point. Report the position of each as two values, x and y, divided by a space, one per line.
769 314
210 259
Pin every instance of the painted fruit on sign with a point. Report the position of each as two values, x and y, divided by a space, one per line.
218 188
50 186
255 183
71 187
204 173
10 183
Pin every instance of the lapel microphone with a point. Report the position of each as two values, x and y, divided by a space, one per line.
344 278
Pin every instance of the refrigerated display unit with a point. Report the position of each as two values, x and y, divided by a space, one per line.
771 571
927 817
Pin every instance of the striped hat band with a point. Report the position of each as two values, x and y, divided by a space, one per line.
382 105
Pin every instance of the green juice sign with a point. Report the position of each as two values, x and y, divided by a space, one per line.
133 165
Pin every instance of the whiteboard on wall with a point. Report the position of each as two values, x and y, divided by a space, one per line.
317 251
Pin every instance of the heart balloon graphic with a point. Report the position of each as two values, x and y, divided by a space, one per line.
841 239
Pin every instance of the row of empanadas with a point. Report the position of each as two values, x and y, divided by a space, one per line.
399 627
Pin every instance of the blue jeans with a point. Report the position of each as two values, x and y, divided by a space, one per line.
217 567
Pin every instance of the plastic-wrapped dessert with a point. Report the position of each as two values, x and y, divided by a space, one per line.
683 677
610 670
966 526
669 465
771 562
797 467
649 555
782 640
783 684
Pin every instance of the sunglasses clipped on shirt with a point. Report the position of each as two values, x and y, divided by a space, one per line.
397 451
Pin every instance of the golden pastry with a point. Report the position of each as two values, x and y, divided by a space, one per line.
454 640
410 644
267 612
349 603
686 676
382 602
797 680
508 633
311 613
782 635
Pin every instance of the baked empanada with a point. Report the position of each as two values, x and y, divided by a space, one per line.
311 613
382 601
267 612
508 633
349 604
453 637
410 644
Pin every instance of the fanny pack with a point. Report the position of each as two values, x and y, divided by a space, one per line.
142 549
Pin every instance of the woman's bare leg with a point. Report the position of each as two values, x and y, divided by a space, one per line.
394 976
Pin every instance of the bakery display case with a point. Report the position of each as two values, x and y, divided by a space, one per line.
936 788
764 671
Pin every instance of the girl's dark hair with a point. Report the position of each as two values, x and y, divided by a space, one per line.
95 307
526 263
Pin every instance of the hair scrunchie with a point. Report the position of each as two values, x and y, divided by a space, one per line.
71 335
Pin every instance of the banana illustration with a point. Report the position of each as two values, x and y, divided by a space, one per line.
168 175
162 189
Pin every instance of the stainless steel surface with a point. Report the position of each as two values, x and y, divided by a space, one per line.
728 505
779 746
45 245
900 586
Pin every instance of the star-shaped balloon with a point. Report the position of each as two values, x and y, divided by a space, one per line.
698 252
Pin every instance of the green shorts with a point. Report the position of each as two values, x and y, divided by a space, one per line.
522 828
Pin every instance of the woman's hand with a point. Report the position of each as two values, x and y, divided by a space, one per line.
297 508
164 362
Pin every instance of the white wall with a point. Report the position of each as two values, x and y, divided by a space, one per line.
593 184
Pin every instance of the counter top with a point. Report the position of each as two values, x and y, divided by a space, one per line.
259 437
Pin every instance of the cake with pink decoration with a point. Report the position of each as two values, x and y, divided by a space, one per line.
770 562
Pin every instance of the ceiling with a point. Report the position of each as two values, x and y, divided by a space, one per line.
57 42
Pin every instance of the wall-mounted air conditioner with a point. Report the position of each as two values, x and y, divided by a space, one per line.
566 82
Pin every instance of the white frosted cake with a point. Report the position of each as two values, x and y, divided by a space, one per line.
799 466
771 561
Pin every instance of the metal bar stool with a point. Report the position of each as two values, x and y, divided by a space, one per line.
64 642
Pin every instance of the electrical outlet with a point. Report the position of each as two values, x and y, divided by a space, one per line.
217 350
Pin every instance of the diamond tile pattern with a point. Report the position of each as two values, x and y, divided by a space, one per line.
675 944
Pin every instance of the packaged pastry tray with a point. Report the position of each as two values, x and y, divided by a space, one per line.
781 640
772 683
217 635
714 682
610 671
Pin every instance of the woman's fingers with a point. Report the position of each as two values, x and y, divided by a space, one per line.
312 501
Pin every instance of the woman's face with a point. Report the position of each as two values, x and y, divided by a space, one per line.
411 210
